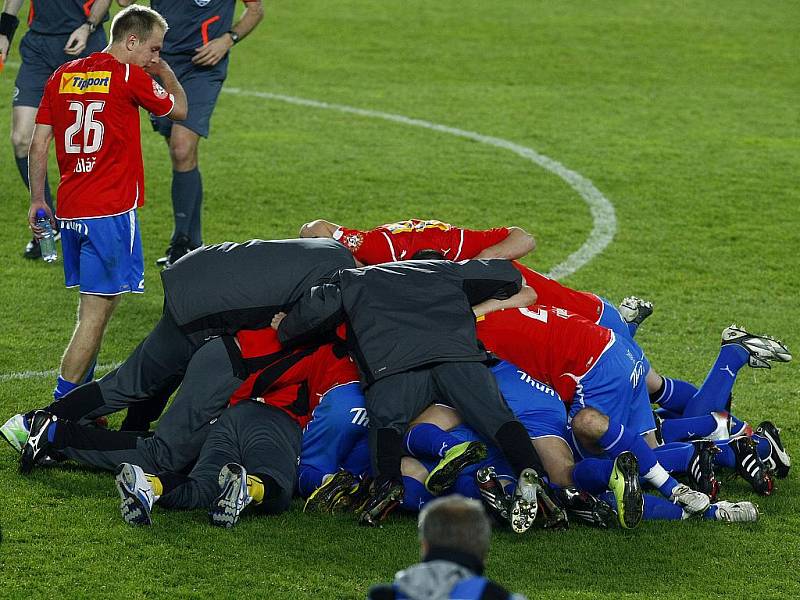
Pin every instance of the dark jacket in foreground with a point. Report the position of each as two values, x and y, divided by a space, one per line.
226 287
443 574
403 315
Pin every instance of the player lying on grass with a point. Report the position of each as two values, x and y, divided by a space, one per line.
334 464
426 352
402 240
600 375
252 450
431 239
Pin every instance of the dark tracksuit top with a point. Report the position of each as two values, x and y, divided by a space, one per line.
403 315
221 289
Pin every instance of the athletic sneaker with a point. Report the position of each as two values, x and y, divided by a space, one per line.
37 444
325 496
736 512
385 495
701 469
456 459
495 499
624 484
233 497
581 505
691 501
778 461
176 250
750 467
15 432
524 501
136 494
761 348
356 498
635 310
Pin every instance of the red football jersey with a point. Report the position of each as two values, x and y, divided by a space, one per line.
400 241
297 380
93 106
551 293
550 344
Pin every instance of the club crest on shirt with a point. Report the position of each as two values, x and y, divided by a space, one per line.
353 241
159 91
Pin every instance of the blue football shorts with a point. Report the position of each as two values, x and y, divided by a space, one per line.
616 387
202 86
103 256
338 424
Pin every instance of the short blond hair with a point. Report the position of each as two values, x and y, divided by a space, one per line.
136 20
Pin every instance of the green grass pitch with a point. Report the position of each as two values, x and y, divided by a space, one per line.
684 115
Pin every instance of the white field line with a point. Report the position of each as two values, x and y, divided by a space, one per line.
13 376
603 216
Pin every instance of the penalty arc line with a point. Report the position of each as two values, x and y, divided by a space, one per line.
603 215
604 219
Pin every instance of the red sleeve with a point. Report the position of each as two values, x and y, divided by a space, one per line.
44 115
147 92
473 242
368 247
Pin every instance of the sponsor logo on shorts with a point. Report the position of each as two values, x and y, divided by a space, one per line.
77 226
359 417
538 385
85 165
159 91
81 83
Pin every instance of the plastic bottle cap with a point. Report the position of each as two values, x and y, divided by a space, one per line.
41 214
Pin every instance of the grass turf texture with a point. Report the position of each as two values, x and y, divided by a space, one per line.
684 116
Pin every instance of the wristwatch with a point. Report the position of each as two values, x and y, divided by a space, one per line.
234 36
92 26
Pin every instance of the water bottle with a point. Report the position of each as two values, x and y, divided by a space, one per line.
48 241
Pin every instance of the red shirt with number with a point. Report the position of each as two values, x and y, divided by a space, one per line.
549 292
550 344
93 106
400 241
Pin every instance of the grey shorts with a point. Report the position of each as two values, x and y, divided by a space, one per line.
202 86
41 55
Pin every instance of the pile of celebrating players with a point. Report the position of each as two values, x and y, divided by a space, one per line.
369 371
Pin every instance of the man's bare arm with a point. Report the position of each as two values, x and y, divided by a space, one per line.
37 172
319 228
525 297
517 244
124 3
10 21
214 51
78 39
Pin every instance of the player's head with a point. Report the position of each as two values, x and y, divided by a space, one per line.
427 254
455 523
137 34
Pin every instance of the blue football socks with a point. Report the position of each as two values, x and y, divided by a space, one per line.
415 495
716 389
428 440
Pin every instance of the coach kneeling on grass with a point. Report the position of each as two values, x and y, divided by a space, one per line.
454 535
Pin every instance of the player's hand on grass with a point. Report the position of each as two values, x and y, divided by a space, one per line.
77 40
276 320
38 232
212 52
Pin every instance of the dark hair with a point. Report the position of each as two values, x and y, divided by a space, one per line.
457 523
427 254
137 20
